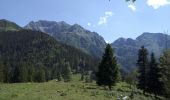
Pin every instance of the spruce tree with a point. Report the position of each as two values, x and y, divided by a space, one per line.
67 72
31 73
47 74
54 71
165 72
40 75
1 72
142 64
6 73
82 69
20 73
57 70
131 78
153 81
108 70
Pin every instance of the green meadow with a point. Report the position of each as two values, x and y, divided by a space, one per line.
74 90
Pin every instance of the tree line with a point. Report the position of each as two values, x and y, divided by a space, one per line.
151 77
154 77
31 56
23 72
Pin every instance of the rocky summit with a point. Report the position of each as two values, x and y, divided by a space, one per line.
73 35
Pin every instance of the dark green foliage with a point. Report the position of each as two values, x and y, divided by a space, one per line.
58 77
82 76
82 69
142 64
40 75
21 51
131 78
88 77
57 71
48 74
7 73
108 70
1 72
124 75
119 76
165 72
154 85
62 70
66 71
31 73
20 73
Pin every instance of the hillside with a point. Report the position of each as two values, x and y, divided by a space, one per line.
127 49
73 35
6 25
93 44
37 50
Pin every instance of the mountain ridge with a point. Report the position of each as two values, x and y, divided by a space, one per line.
74 35
127 49
6 25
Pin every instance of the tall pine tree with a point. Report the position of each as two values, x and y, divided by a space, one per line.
31 73
153 81
142 64
67 72
40 73
20 73
6 71
1 72
165 72
108 70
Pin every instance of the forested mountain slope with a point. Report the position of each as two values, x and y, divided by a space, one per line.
37 51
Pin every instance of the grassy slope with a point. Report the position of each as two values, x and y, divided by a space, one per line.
75 90
6 25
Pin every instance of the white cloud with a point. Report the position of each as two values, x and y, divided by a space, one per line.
132 7
157 3
88 24
103 19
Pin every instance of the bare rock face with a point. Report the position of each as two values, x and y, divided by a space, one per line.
74 35
127 49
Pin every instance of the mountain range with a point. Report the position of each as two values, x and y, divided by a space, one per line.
127 49
73 35
91 43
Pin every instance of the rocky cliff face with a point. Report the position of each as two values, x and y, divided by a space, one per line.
73 35
127 49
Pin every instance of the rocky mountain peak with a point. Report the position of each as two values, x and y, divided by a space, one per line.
74 35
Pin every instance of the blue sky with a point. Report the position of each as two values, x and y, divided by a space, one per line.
111 20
